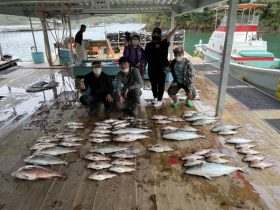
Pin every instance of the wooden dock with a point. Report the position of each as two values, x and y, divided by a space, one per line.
159 182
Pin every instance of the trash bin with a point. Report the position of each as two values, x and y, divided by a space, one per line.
38 57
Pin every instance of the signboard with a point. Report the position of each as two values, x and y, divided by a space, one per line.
100 4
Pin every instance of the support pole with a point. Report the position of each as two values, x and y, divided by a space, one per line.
47 43
32 30
172 38
70 32
226 57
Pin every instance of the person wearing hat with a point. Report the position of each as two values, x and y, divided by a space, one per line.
135 53
99 88
79 45
156 54
183 77
129 82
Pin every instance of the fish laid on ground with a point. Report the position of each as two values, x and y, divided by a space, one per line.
98 165
202 152
44 160
159 117
119 122
103 127
99 140
189 113
217 160
122 169
227 132
209 170
73 139
188 128
47 139
182 135
249 158
175 119
102 175
168 128
110 121
74 127
130 137
160 148
73 124
108 149
54 151
247 151
64 135
121 125
192 157
101 131
123 162
238 140
69 144
99 135
260 164
205 121
194 162
124 155
248 145
163 121
42 145
198 116
97 157
130 130
215 154
225 127
31 172
102 124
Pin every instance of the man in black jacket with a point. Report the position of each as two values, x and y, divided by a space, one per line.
100 88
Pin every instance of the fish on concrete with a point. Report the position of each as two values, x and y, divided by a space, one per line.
102 124
175 119
44 160
124 155
227 132
247 145
168 128
31 172
194 162
187 128
202 152
99 135
213 154
204 122
119 122
163 121
225 127
121 125
209 170
42 145
260 164
160 148
99 140
102 175
238 140
192 157
247 151
217 160
122 169
159 117
189 113
110 121
96 131
103 127
54 151
129 130
73 139
74 124
64 135
130 137
108 149
69 144
98 165
47 139
97 157
123 162
182 136
197 116
249 158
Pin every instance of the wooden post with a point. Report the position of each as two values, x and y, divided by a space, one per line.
47 43
226 57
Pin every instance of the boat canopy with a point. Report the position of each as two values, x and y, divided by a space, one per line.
57 8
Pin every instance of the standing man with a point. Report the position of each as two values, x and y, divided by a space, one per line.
135 53
156 53
80 48
99 88
183 77
129 82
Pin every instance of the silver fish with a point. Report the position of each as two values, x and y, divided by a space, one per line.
74 127
202 152
42 145
249 158
168 128
98 165
47 139
163 121
31 172
159 117
73 124
260 164
110 121
44 160
209 170
130 137
227 132
225 127
198 116
63 135
123 162
119 122
192 157
97 157
102 124
102 175
160 148
101 131
238 140
54 151
121 125
73 139
215 154
103 127
99 140
182 135
189 113
99 135
194 162
247 151
130 130
69 144
217 160
248 145
121 169
188 128
175 119
108 149
124 155
205 121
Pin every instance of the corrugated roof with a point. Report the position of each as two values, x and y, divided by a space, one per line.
53 8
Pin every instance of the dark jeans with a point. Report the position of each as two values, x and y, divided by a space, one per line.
175 87
157 79
133 98
92 101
